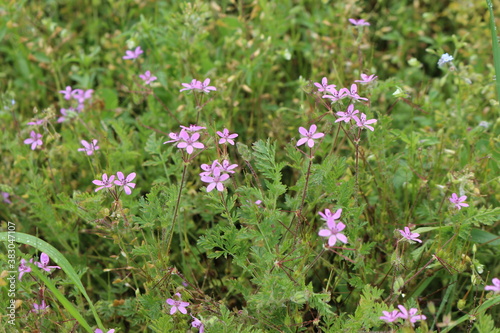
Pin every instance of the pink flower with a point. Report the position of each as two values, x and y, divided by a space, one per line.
366 78
411 236
37 122
226 137
334 95
125 182
226 166
353 93
67 93
205 86
197 324
495 287
82 95
189 142
133 54
458 202
309 136
360 22
105 182
208 169
333 232
23 268
328 216
193 128
174 136
347 115
89 147
390 316
40 308
65 114
177 305
363 123
98 330
147 77
410 315
216 180
194 85
34 140
6 196
324 86
44 262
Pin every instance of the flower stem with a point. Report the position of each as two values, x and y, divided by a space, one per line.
164 233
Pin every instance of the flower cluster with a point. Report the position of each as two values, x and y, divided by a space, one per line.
350 114
333 230
180 306
403 313
43 264
196 85
124 182
216 173
80 96
186 141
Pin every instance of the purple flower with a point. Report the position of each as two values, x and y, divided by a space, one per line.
208 169
363 123
390 316
6 196
226 166
174 136
347 115
366 78
334 95
147 77
89 147
309 136
40 308
81 96
333 232
226 137
23 268
328 216
37 122
197 324
125 182
189 142
66 93
34 140
133 54
177 305
205 86
98 330
360 22
193 128
105 182
324 86
194 85
410 315
352 93
458 202
495 287
411 236
44 262
216 180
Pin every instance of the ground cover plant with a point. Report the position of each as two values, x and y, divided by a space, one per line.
249 166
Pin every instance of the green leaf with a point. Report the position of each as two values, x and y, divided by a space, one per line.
495 46
58 258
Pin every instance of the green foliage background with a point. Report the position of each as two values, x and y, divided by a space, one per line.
247 268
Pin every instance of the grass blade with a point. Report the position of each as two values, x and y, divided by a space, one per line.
59 259
495 47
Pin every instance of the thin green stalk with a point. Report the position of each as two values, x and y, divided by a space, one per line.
175 212
495 46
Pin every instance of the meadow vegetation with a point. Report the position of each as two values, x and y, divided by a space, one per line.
249 166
